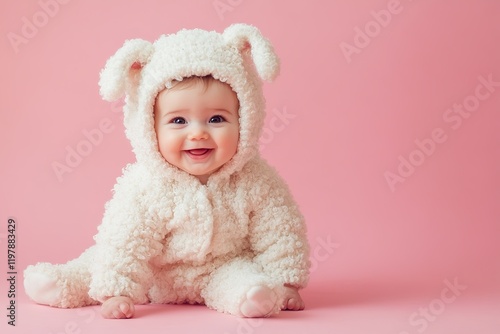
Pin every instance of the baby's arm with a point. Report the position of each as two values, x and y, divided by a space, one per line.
128 238
278 236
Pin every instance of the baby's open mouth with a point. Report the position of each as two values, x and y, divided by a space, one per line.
199 151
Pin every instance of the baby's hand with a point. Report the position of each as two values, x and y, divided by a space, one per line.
292 301
118 308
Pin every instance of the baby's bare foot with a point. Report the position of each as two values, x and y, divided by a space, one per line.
118 308
292 300
260 302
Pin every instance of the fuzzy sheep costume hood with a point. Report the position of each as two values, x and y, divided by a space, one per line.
165 237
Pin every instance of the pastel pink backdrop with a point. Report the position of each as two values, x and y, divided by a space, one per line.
351 115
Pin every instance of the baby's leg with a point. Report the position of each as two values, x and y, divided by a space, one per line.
239 287
60 285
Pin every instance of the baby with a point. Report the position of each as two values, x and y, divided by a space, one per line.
199 217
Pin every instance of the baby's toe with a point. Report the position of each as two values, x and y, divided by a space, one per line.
117 314
293 304
127 310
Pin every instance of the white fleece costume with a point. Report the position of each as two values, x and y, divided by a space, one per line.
165 237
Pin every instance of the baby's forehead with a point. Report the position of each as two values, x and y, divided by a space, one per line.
197 96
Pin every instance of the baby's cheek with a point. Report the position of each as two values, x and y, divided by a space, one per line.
164 147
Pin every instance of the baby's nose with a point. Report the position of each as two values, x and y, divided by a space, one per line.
197 132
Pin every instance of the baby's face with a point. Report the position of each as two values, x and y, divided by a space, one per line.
197 128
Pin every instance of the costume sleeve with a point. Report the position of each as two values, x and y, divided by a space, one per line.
278 231
129 236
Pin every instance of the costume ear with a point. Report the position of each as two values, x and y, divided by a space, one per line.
246 37
121 74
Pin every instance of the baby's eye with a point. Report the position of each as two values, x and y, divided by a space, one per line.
217 119
178 120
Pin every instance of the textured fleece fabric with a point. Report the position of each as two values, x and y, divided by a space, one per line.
165 237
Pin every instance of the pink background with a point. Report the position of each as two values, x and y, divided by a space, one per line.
351 118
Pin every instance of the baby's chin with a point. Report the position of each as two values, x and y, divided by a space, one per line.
203 176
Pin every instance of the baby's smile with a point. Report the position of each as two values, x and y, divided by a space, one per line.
199 153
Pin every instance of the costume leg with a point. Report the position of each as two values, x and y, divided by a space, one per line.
240 288
178 284
60 285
